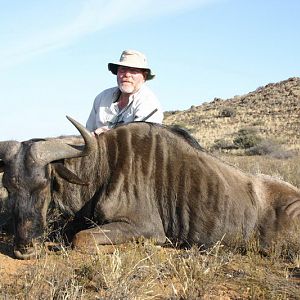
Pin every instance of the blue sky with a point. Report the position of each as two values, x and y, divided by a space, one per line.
54 54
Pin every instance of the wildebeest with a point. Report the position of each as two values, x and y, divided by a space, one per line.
139 180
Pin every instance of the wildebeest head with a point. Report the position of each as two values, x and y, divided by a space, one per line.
27 178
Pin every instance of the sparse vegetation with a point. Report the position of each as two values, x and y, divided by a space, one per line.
227 112
271 148
145 271
222 144
285 169
247 138
273 110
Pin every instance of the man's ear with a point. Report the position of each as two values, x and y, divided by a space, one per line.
145 74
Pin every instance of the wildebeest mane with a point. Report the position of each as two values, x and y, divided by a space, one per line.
186 135
177 130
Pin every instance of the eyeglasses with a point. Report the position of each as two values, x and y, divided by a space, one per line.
130 70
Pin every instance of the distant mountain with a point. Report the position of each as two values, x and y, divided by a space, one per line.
273 111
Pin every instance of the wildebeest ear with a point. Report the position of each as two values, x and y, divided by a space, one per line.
1 166
68 175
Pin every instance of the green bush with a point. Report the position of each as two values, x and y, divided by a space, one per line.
247 138
227 112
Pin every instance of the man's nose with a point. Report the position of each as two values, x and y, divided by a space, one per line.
127 73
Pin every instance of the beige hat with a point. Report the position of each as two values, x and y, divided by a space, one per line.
133 59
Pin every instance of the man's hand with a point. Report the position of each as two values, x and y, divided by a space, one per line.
100 130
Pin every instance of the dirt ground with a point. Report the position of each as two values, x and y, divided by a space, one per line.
9 266
12 268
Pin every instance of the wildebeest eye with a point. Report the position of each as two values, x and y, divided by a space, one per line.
55 185
2 166
12 180
10 183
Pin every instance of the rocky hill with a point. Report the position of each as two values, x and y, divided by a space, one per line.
272 111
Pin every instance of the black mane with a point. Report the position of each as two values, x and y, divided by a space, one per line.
186 135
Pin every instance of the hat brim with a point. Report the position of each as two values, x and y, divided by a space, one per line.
113 67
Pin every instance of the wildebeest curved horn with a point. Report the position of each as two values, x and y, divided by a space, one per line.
90 141
8 149
45 152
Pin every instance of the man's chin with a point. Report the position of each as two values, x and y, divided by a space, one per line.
126 89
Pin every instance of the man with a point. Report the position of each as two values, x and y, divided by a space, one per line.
131 100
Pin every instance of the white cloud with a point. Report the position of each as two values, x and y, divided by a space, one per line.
95 15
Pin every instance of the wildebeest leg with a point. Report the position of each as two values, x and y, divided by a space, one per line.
111 234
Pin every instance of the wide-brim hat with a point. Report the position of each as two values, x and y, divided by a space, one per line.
132 59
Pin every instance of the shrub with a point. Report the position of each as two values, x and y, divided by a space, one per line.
247 138
263 148
271 148
223 144
227 112
170 113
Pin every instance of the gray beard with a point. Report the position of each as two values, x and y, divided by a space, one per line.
126 90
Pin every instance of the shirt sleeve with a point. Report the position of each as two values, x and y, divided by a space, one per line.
154 115
149 110
91 122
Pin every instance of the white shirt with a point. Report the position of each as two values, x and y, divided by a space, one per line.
105 111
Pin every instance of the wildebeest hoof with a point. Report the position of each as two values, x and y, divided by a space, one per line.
26 253
85 243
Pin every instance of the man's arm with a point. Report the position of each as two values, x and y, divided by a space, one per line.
91 122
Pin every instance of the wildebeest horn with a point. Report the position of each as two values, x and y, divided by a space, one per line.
8 149
45 152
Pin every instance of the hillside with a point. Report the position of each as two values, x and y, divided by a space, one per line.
273 111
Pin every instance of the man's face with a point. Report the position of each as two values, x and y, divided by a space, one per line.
130 80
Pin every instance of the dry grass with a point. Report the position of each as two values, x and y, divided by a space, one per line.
145 271
285 169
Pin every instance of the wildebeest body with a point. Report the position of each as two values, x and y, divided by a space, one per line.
165 188
144 180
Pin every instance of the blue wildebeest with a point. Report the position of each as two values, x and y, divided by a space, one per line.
139 180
